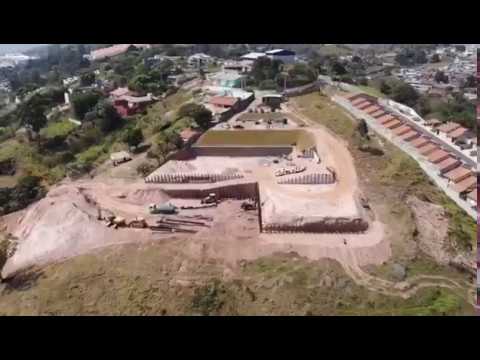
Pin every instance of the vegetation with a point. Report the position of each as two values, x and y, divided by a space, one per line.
133 137
84 102
27 191
273 285
411 56
201 115
405 94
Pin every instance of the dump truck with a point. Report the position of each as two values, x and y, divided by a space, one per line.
210 199
166 208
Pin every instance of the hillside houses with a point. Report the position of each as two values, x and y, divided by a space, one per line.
283 55
460 176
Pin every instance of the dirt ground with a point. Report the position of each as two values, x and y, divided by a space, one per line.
228 268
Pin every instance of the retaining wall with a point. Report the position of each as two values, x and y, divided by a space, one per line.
179 178
235 191
327 225
242 151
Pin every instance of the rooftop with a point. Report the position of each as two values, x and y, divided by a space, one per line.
458 173
421 141
448 127
402 130
438 155
392 124
120 92
444 164
409 135
223 100
385 118
457 132
465 185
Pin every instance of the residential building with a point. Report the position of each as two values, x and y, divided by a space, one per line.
199 60
127 105
285 56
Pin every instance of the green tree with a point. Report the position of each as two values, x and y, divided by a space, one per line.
363 81
420 57
108 117
405 94
362 128
423 106
385 88
87 79
338 68
441 77
470 82
133 137
201 115
32 114
435 58
83 103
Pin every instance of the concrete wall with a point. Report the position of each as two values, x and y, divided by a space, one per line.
234 191
242 151
302 90
327 225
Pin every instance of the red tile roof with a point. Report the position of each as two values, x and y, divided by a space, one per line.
448 163
223 100
457 133
458 174
358 101
401 130
372 109
393 124
409 136
378 114
428 149
385 118
448 127
364 105
121 91
466 184
421 141
438 156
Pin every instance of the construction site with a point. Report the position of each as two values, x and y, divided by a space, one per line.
292 188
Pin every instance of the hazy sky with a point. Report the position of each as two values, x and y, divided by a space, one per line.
5 48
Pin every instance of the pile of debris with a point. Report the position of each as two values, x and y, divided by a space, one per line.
287 171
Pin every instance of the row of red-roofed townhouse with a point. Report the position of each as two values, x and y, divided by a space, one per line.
460 178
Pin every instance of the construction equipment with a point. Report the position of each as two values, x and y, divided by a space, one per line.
210 199
166 208
248 205
138 223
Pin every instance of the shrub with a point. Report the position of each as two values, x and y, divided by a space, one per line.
267 85
145 169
